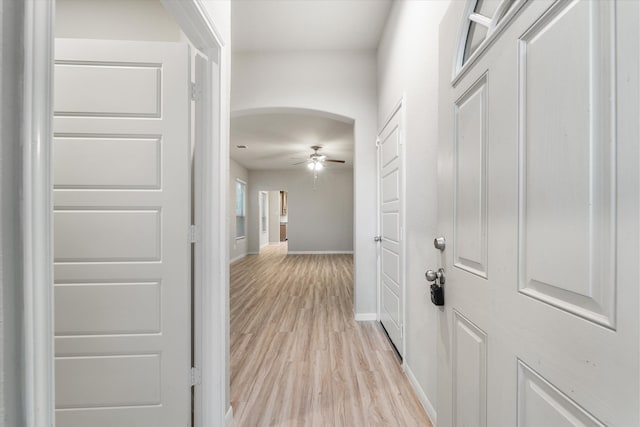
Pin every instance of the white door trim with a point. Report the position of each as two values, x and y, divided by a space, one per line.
37 215
37 235
400 108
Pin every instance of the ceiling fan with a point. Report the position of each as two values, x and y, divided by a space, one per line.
316 161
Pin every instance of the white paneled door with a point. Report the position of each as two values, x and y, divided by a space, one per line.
538 202
121 224
390 218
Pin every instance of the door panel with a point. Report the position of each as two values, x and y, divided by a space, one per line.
390 219
138 161
470 209
81 375
88 306
540 403
118 89
121 221
538 168
470 373
583 198
106 235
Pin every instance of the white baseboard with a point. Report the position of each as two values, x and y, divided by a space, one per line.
239 257
318 252
431 412
228 419
253 253
366 317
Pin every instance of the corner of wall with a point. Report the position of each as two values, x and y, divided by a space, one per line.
424 400
228 419
366 317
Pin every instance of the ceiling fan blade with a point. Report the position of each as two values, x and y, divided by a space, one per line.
334 161
299 163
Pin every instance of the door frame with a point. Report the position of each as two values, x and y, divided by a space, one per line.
263 210
398 108
211 163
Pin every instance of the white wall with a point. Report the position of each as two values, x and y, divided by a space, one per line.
116 20
274 216
11 353
408 64
237 247
339 82
320 220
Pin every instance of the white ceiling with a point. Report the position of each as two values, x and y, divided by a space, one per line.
296 25
276 25
277 141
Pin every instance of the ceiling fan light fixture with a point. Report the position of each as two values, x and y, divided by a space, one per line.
315 165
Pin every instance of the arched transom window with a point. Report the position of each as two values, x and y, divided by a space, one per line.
482 19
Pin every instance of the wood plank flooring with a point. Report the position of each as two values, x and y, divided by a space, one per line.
297 356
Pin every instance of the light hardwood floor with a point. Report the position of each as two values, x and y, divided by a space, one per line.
297 356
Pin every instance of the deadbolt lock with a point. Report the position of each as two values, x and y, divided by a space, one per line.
439 243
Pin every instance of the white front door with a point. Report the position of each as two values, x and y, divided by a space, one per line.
121 224
390 214
538 172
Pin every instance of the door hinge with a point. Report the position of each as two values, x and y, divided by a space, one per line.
195 91
194 234
195 377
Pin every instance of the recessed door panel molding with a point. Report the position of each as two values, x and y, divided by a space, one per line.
391 304
391 147
470 203
109 417
89 162
391 264
108 89
108 235
390 227
113 372
541 403
469 373
390 187
567 209
85 308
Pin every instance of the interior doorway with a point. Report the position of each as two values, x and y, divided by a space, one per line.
39 106
284 216
390 239
273 221
124 128
122 264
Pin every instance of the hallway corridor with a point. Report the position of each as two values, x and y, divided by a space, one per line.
297 356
